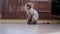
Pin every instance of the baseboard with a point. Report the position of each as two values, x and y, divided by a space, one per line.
25 21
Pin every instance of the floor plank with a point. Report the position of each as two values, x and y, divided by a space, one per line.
29 29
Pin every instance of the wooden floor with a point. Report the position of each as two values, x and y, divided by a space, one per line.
29 29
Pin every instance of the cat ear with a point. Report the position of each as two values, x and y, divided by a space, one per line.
30 4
